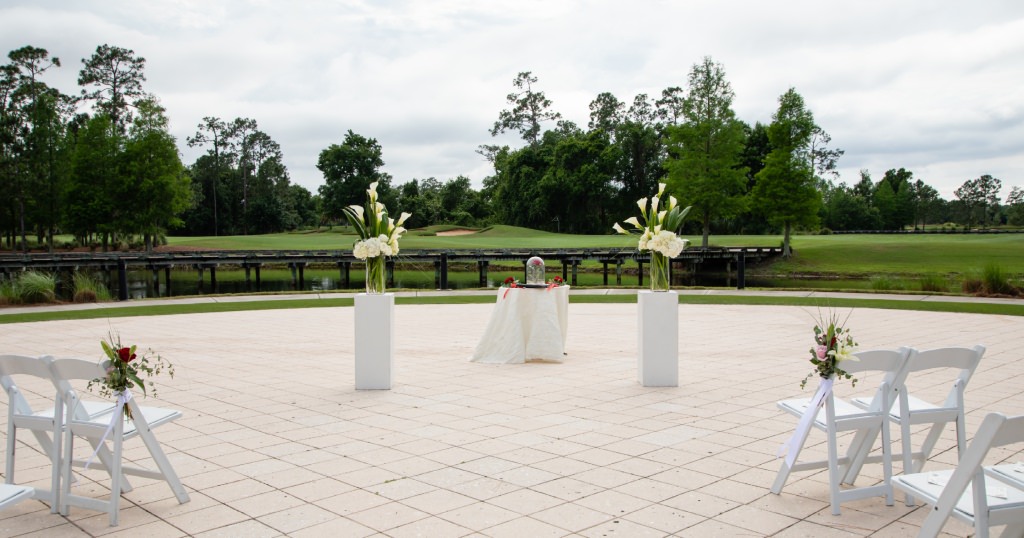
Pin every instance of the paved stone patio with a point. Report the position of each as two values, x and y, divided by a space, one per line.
275 440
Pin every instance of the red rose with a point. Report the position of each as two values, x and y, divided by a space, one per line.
125 354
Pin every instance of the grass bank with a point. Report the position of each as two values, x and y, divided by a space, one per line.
162 308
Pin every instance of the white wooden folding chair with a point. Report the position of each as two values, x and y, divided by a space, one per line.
910 410
44 424
11 494
87 410
117 429
837 416
977 495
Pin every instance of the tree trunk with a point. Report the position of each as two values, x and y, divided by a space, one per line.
786 252
707 230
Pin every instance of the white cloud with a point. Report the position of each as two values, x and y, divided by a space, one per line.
933 86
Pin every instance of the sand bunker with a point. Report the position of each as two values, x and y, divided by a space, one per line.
457 231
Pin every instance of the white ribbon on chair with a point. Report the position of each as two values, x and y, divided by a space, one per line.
792 447
122 400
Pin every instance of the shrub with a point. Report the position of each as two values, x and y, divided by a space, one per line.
36 287
885 283
8 294
933 283
89 289
995 281
972 284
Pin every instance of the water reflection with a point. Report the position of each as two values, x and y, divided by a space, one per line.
185 282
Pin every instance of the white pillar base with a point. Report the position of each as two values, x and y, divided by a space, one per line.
658 327
375 348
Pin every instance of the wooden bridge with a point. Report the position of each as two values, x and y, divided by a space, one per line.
119 263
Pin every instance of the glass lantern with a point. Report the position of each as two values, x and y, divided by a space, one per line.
535 271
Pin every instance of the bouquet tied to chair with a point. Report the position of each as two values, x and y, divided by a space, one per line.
125 368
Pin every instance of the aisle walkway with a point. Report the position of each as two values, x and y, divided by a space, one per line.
275 441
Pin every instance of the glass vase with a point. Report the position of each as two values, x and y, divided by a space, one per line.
375 275
659 272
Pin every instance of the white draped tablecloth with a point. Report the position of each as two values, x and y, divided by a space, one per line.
526 324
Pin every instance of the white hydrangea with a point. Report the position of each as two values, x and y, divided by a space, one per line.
664 242
359 250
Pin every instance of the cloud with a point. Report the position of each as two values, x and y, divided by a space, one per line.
928 86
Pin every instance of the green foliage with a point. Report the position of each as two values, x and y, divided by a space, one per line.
31 287
706 149
886 283
933 283
995 281
114 75
972 284
348 170
785 191
529 109
89 289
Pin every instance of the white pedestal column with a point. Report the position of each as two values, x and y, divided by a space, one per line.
658 324
375 346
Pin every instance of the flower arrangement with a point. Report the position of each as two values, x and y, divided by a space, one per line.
557 281
833 345
658 234
378 236
510 282
124 368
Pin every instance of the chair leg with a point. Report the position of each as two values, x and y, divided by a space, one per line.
908 457
929 444
785 469
887 461
858 451
164 465
833 473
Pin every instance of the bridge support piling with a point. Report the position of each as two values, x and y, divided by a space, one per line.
122 280
482 267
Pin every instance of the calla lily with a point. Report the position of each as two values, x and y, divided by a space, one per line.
619 229
654 204
634 222
661 188
672 202
399 230
358 210
402 217
391 224
642 204
661 216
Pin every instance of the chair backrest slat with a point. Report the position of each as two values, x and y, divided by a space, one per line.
69 369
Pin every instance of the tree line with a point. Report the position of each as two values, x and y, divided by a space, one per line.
112 174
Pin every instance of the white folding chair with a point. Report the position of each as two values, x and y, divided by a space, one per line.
910 410
11 494
45 424
839 416
977 495
117 429
87 410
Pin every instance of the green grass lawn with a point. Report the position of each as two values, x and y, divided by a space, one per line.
842 255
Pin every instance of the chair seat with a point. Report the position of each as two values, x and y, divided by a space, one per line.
928 487
92 409
11 494
844 410
154 416
916 406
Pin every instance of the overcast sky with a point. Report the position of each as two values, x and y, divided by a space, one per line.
931 86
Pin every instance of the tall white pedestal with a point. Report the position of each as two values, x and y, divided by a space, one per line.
375 343
658 324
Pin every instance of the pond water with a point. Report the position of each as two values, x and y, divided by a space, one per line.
186 282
